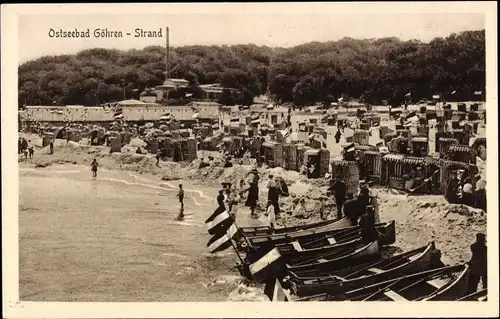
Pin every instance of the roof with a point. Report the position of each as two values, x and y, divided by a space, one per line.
460 148
448 163
394 157
344 163
128 102
365 147
269 144
203 104
312 151
176 80
212 90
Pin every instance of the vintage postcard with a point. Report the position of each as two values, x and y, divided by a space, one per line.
250 160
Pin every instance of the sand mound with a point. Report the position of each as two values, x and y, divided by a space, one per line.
430 218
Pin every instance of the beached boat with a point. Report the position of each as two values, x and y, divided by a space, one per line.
337 260
481 295
266 230
315 281
300 256
321 227
320 236
445 283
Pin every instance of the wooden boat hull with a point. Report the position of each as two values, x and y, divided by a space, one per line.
328 227
388 231
481 295
266 230
446 283
297 257
336 282
369 251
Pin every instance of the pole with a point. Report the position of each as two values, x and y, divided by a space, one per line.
167 54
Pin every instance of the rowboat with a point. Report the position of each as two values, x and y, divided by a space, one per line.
337 260
266 230
320 236
304 256
320 227
317 282
445 283
481 295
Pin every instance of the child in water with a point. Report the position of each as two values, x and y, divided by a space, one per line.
94 168
180 195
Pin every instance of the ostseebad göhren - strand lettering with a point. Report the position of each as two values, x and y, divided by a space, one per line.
104 33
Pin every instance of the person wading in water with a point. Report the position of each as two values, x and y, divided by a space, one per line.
180 196
93 167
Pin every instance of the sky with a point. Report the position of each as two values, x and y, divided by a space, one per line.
272 28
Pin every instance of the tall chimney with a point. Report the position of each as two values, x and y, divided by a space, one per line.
167 56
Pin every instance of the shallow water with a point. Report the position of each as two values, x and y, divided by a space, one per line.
115 238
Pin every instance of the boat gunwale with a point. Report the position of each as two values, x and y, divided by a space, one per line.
421 251
352 254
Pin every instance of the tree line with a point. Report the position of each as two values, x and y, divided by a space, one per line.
369 70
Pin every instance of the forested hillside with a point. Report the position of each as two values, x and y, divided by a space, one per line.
371 69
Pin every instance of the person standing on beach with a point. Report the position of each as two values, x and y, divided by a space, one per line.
253 195
93 167
273 195
180 196
337 136
31 150
478 264
158 156
339 190
51 147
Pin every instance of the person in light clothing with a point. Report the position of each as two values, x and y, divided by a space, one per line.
271 216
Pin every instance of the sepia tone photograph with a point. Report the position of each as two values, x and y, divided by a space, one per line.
261 156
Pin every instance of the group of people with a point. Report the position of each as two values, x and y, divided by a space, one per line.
362 210
466 190
25 147
230 195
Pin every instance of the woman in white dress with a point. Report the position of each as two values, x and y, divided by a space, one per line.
271 217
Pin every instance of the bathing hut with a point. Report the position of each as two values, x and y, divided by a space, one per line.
348 171
462 153
273 153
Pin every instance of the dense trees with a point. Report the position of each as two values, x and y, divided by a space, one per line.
371 70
